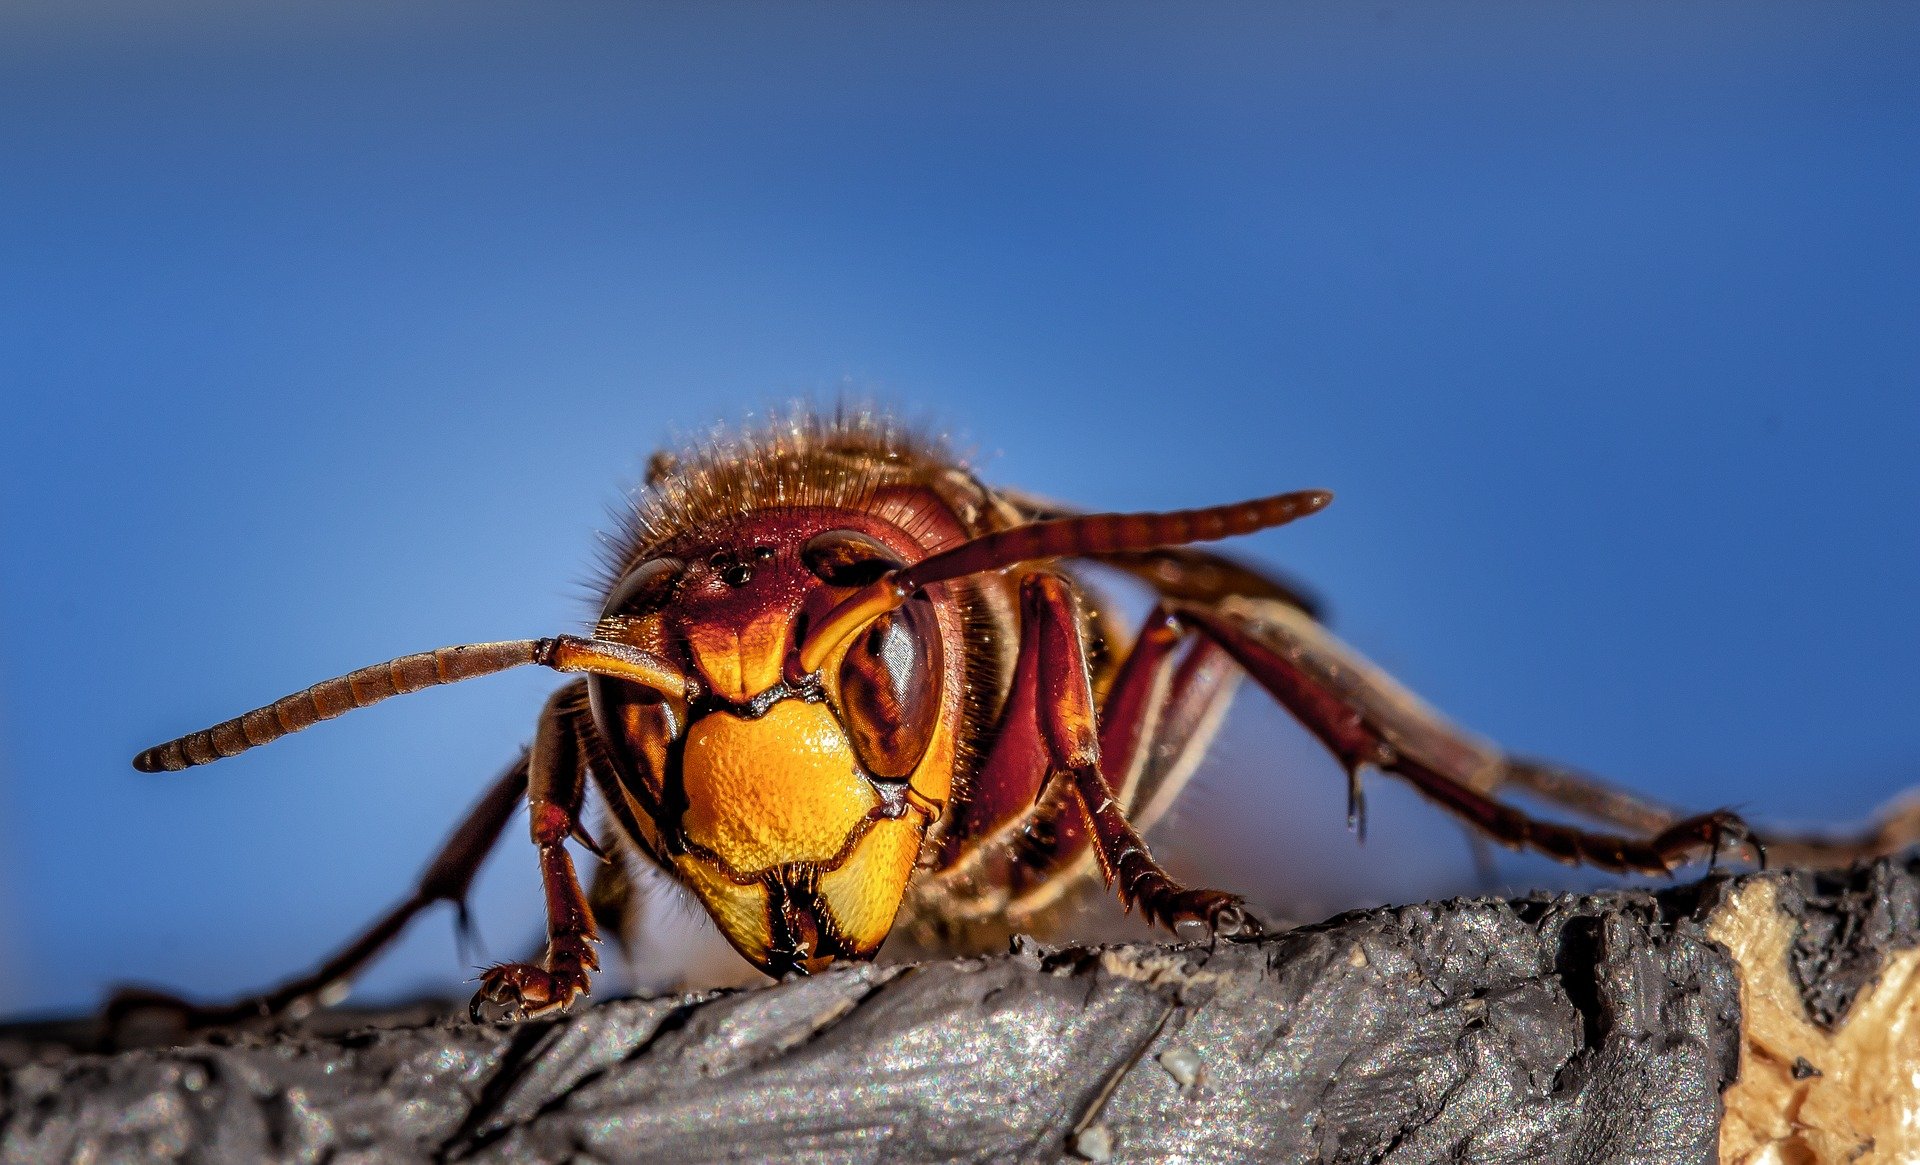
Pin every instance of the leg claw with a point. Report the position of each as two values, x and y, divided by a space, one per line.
1198 914
516 991
1721 831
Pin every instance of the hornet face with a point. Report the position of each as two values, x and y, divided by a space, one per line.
793 801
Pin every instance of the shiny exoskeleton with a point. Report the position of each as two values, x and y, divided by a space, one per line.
840 688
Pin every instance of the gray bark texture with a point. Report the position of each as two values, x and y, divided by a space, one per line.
1571 1028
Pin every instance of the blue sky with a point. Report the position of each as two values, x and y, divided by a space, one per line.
331 332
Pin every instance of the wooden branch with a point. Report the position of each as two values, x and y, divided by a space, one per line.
1602 1028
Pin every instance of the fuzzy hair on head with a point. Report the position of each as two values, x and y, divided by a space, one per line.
798 457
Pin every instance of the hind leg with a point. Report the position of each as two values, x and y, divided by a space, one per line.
448 877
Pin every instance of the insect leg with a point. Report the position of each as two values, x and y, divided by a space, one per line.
1136 702
1190 575
1068 728
1198 692
1012 868
1157 746
1586 795
1159 715
1894 828
448 877
1363 719
556 789
1162 711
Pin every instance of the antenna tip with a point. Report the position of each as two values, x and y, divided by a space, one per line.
162 759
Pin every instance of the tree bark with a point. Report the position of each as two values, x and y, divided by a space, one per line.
1575 1028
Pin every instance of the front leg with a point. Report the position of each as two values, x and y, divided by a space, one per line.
1069 730
556 789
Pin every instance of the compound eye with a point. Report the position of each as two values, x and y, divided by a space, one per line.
847 558
646 588
890 689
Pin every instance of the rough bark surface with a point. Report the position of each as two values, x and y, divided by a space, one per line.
1555 1028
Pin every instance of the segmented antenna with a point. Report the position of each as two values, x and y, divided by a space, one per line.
397 677
1077 536
1089 534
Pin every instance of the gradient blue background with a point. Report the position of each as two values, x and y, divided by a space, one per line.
330 332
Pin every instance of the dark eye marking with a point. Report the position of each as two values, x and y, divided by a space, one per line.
847 558
646 588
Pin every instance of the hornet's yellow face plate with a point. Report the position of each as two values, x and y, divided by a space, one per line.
864 894
779 812
777 789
